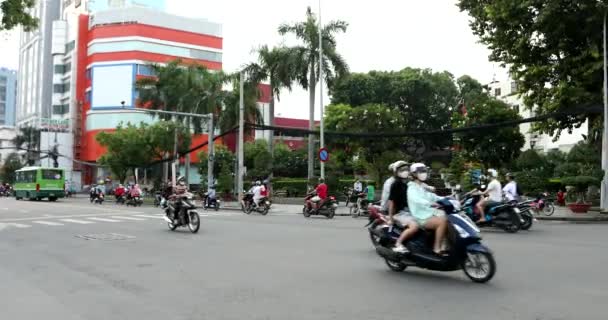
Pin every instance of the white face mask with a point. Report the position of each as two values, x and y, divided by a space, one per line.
402 174
422 176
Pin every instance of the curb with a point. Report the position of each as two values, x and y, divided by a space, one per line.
575 219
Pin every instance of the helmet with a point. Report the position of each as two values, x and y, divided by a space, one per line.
418 167
321 180
181 178
510 175
257 183
493 173
396 165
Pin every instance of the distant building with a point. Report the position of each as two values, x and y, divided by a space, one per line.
7 134
8 95
507 92
35 75
98 5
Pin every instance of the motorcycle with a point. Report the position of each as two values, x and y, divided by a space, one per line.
378 224
506 216
360 206
465 250
98 198
120 199
134 201
186 214
158 198
210 203
248 206
328 208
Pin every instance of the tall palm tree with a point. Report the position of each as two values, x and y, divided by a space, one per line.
229 116
334 65
29 138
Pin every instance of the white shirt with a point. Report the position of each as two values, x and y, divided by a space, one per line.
386 190
358 186
495 190
510 191
257 192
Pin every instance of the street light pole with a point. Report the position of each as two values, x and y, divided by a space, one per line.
321 131
604 187
241 141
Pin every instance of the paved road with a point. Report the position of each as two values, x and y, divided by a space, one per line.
280 266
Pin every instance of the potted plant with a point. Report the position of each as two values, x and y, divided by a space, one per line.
579 185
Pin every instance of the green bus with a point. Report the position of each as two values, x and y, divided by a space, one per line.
38 182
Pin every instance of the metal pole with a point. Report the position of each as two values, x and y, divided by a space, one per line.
176 159
211 152
187 157
322 135
241 141
604 187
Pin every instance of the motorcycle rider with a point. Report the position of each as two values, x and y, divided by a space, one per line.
494 193
135 191
398 202
423 205
358 186
510 189
211 195
179 189
257 193
119 192
386 187
321 191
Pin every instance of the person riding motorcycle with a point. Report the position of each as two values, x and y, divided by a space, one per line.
135 191
386 187
494 193
257 193
210 197
423 205
321 191
119 192
397 204
179 189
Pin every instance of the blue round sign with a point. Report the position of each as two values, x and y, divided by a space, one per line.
323 154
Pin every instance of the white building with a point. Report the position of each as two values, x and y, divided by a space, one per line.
507 92
7 134
35 80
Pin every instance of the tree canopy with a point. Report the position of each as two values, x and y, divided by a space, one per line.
553 48
15 13
28 138
11 164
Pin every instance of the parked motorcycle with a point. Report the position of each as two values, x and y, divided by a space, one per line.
328 208
465 250
183 204
248 206
505 216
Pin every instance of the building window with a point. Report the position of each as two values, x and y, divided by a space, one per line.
136 45
70 46
63 68
61 88
145 70
497 92
61 109
514 86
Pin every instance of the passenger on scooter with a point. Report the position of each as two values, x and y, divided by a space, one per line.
494 193
386 187
423 205
510 189
135 191
257 193
397 204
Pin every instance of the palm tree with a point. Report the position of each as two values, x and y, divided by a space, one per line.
28 137
229 116
334 65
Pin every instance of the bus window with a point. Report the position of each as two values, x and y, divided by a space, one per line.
26 176
52 174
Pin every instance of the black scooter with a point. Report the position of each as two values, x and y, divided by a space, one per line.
506 216
465 251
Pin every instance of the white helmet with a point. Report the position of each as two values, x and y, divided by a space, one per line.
396 165
419 170
257 183
493 173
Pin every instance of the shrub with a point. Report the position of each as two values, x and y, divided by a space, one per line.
580 184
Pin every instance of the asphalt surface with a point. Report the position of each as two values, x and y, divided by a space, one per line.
280 266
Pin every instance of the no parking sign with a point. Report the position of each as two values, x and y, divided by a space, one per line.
323 155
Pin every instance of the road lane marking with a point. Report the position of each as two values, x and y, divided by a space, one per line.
19 225
149 216
112 213
128 218
103 219
23 211
77 221
48 223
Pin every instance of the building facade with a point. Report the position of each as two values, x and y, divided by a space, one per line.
8 96
99 5
507 92
35 76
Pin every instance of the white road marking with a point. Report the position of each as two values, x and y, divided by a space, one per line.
67 216
149 216
23 211
127 218
103 219
19 225
48 223
77 221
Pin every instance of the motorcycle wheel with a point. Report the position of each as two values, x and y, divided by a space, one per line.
217 206
395 266
243 208
512 228
194 222
265 210
528 221
306 212
372 236
331 214
248 209
549 209
354 211
473 268
171 226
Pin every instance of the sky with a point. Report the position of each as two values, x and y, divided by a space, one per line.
382 35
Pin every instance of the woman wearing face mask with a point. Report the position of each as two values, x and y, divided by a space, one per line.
423 205
397 204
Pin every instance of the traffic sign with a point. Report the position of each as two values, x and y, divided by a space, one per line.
323 155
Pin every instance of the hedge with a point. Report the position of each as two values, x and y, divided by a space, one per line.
296 187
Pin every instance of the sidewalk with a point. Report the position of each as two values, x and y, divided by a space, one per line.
287 208
564 214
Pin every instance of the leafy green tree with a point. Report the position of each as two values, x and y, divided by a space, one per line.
552 47
15 13
307 57
29 138
422 99
494 147
289 163
229 116
257 159
11 164
224 161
